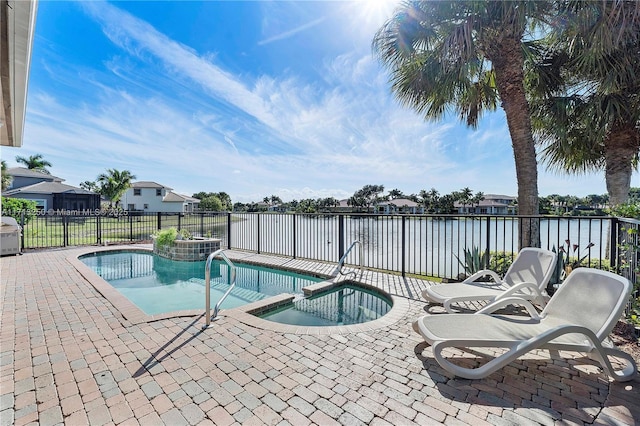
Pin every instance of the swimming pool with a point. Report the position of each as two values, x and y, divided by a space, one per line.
344 305
157 285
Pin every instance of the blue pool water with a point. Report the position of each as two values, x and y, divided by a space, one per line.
343 305
158 285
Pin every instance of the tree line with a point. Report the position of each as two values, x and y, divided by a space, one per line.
113 184
369 196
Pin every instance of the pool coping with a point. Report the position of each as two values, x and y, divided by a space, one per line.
245 313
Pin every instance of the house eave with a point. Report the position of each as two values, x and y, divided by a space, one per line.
17 26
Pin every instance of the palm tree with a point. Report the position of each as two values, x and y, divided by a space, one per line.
464 197
395 193
6 177
275 200
463 56
430 199
89 186
35 162
586 107
114 183
476 199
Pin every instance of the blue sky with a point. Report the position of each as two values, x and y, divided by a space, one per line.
250 98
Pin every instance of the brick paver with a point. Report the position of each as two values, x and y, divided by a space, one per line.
70 355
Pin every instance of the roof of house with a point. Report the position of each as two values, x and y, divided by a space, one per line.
173 197
399 202
47 188
483 203
31 173
499 197
148 184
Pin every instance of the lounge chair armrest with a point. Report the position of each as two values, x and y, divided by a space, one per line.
532 292
485 272
508 301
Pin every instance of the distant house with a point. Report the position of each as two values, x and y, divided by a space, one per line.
154 197
342 207
279 208
492 204
399 206
48 191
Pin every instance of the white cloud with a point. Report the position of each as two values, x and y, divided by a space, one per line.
286 34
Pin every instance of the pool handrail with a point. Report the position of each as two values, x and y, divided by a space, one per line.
207 275
338 270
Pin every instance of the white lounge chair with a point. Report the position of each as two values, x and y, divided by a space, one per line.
579 317
527 277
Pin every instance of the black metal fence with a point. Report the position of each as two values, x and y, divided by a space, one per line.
423 245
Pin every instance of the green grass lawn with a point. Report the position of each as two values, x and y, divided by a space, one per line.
49 232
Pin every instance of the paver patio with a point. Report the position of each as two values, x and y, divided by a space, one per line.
68 355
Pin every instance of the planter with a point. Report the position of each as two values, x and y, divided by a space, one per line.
194 250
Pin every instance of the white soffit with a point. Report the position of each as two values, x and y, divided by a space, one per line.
17 25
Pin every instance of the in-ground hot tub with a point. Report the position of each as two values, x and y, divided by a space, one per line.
329 304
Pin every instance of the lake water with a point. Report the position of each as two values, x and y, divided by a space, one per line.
424 245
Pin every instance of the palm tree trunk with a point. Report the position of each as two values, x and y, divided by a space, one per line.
508 68
621 146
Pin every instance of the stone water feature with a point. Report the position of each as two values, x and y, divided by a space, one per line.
191 250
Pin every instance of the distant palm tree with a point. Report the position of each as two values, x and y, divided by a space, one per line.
462 56
430 199
35 162
275 200
89 186
114 183
465 196
6 177
396 193
476 199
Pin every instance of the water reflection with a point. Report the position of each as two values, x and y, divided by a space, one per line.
343 306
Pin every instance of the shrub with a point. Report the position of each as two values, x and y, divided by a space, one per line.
14 207
474 260
500 261
166 237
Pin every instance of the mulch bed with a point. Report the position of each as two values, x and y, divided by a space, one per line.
624 337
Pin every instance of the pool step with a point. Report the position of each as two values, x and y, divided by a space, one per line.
242 293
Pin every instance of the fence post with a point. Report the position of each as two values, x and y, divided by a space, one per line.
341 236
98 230
488 242
22 229
614 253
65 230
159 216
258 238
201 224
404 249
179 221
295 247
130 228
229 230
